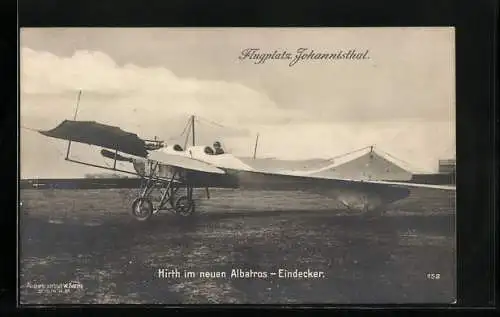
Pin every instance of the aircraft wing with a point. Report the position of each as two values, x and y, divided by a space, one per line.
183 162
91 132
106 136
416 185
374 182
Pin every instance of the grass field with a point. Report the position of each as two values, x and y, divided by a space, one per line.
88 236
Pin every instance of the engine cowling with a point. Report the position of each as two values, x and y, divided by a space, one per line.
111 155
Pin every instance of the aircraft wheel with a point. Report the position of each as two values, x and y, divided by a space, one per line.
142 209
183 206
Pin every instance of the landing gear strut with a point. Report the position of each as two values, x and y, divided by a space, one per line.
142 207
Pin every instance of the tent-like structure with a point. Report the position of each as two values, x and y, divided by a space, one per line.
368 164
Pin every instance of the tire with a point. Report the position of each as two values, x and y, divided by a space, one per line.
142 209
184 207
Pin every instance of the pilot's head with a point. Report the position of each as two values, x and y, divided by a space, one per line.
217 144
178 148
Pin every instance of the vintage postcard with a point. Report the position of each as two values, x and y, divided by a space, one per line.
237 165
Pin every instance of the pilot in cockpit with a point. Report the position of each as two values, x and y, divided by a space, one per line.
218 148
178 148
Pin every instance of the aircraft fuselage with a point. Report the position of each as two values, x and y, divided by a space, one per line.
356 195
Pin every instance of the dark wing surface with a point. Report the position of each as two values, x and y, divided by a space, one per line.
91 132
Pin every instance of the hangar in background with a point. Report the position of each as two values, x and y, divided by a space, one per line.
368 163
446 174
448 166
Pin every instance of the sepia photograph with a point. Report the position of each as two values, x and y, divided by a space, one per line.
237 166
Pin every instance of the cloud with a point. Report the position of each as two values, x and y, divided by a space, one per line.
145 94
157 102
410 73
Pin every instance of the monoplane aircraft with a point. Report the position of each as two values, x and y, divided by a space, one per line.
171 168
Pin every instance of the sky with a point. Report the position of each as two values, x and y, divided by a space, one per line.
401 97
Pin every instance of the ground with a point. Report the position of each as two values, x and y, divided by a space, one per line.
88 236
